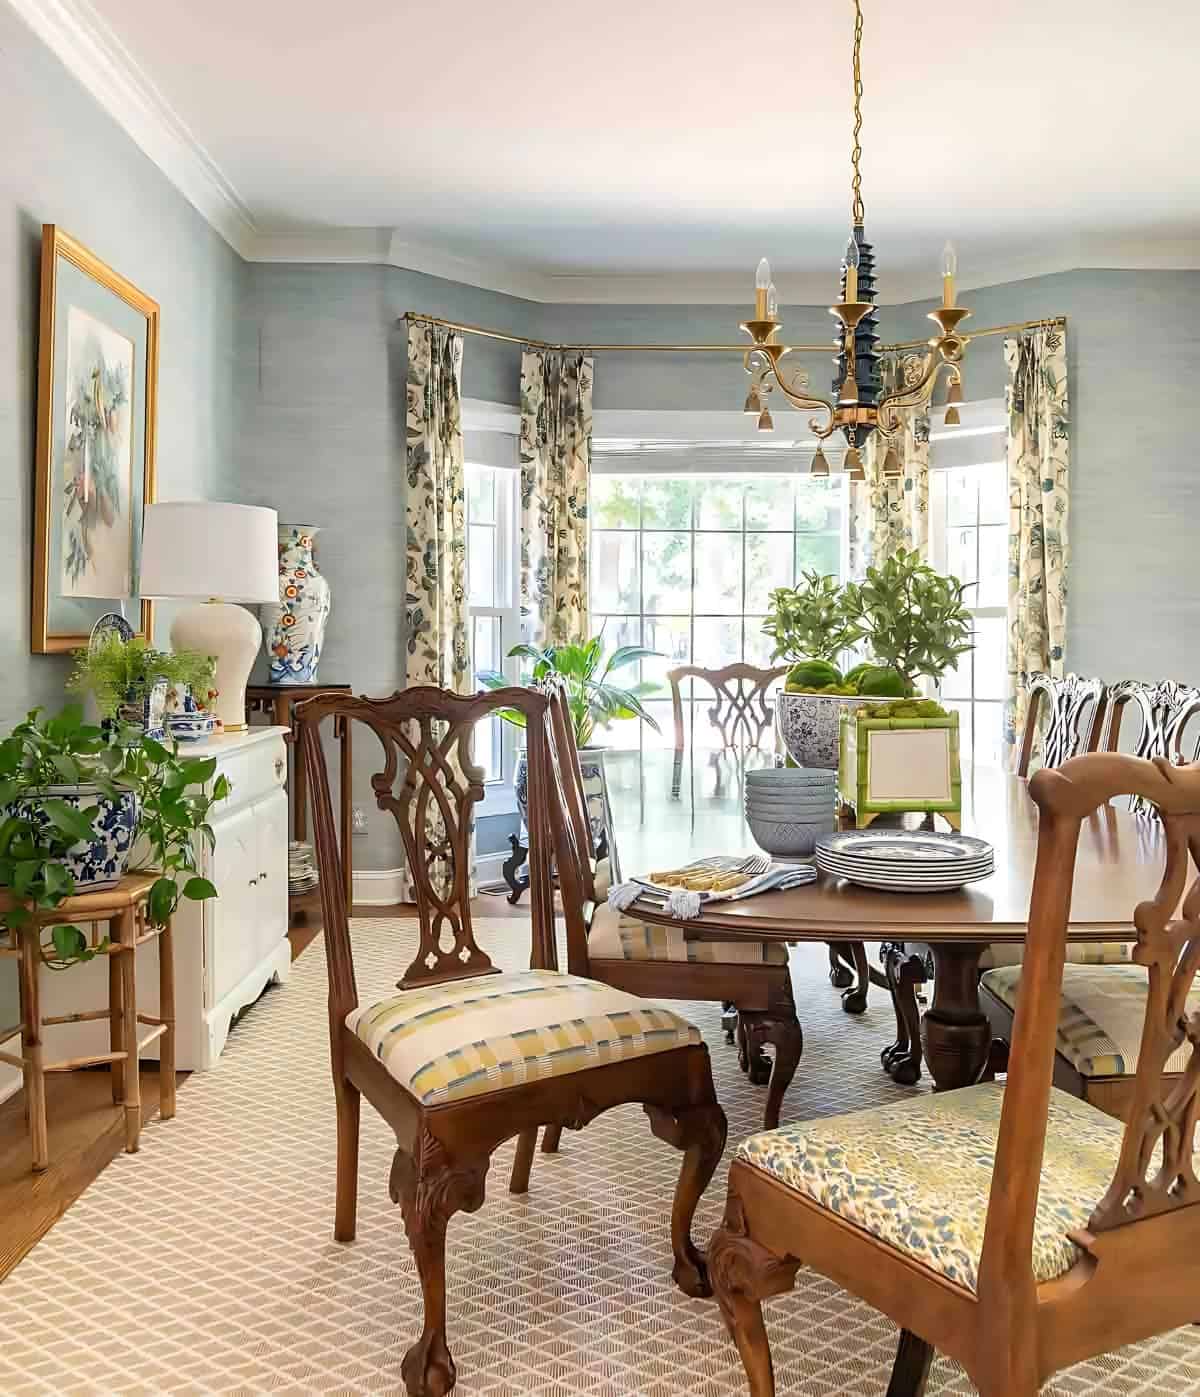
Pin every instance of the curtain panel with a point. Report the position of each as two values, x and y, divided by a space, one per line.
555 451
892 512
1038 455
436 593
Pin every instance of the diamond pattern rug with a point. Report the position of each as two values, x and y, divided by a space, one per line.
205 1264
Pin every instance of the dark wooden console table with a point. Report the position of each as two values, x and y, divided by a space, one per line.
276 701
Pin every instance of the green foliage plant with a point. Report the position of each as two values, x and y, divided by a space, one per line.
809 622
912 617
117 670
173 805
594 700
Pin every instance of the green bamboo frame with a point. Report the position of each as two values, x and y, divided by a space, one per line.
854 761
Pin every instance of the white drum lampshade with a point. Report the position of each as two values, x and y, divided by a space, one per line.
217 554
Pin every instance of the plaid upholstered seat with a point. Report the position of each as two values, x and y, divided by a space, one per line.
615 936
1078 953
470 1037
1100 1016
917 1174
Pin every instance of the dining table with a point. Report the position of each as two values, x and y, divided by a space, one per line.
1120 863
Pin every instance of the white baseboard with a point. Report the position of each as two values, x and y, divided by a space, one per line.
383 887
380 887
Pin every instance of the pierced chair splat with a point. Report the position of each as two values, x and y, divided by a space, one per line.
463 1055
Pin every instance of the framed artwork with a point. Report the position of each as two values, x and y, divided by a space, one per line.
97 383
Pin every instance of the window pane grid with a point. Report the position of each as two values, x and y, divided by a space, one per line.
685 565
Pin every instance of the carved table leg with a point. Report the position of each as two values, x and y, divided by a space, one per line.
512 866
955 1032
841 976
902 1060
854 1000
744 1273
700 1132
430 1189
779 1026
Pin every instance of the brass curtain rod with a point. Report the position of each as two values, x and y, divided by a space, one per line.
703 348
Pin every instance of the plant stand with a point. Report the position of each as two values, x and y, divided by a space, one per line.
595 790
124 908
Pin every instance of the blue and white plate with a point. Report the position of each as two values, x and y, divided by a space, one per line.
913 848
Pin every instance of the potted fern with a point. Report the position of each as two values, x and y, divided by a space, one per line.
132 681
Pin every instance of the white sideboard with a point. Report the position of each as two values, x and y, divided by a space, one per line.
228 949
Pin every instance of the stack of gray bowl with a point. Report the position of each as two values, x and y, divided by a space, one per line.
789 808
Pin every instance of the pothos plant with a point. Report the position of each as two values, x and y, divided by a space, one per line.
592 697
173 804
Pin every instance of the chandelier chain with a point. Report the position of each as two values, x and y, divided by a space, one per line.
857 213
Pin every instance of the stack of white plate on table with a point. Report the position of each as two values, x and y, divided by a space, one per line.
905 861
302 868
788 808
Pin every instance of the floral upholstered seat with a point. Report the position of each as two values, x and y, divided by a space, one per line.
1100 1016
916 1174
615 936
470 1037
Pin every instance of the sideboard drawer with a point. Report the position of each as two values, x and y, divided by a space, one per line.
256 770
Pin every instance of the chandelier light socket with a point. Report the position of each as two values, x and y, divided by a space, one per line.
765 421
852 464
820 466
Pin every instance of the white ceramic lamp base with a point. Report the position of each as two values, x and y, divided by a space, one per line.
232 636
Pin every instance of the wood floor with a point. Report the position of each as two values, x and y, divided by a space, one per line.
87 1131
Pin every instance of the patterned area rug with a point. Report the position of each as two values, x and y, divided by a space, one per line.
205 1264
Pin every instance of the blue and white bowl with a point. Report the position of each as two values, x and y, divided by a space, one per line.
190 727
100 862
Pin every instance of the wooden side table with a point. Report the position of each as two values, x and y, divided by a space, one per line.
277 702
124 909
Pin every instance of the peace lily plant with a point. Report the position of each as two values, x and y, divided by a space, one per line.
74 797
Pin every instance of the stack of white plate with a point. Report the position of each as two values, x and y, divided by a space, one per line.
788 808
302 869
905 861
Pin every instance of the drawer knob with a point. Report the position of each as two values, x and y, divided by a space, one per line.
279 766
253 882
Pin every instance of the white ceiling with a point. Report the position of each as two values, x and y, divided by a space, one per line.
667 144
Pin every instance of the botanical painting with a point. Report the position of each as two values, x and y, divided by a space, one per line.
97 465
96 428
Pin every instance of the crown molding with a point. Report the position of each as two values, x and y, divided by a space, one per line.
92 53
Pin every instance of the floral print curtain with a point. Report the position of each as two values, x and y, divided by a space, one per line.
556 458
1039 492
891 512
436 593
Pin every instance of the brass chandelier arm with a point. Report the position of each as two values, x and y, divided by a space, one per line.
805 400
914 395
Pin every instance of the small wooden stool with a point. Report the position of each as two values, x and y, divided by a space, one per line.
124 908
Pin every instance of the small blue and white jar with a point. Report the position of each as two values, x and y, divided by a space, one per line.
295 629
100 862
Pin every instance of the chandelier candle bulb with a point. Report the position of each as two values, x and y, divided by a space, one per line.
772 302
852 269
762 283
949 268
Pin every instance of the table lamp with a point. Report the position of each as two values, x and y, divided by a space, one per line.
217 554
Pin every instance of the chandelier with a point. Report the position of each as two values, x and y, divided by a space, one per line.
860 407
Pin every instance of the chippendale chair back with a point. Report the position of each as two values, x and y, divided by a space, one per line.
430 783
1165 710
1072 710
1141 1270
741 710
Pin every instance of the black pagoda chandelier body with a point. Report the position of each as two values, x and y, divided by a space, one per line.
861 406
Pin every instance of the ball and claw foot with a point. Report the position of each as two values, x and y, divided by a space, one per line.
427 1369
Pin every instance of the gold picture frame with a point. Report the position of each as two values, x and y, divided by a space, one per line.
96 431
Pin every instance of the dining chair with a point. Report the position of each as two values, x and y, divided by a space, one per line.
1067 714
1014 1228
1165 710
741 710
632 955
466 1056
